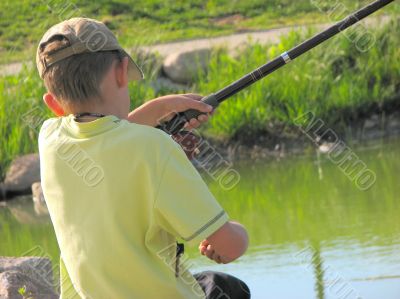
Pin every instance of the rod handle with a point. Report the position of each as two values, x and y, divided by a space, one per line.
176 124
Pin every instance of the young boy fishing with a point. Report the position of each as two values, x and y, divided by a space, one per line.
120 192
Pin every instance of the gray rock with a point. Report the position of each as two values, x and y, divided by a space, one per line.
183 67
372 122
23 172
394 121
15 285
37 192
38 267
38 199
32 276
326 147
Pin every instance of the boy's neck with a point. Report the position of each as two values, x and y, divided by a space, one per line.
96 110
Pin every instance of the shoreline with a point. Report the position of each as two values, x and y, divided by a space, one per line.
377 126
307 134
217 157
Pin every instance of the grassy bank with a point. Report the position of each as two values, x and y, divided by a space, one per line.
22 23
335 81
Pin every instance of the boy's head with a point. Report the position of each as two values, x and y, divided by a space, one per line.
83 66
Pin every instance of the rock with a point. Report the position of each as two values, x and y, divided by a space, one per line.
13 284
37 192
32 276
184 67
372 122
39 268
394 122
38 199
23 172
326 147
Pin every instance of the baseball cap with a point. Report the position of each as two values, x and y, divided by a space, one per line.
84 36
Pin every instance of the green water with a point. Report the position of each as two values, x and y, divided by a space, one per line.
313 233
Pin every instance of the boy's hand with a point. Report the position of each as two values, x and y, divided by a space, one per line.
164 108
226 244
206 249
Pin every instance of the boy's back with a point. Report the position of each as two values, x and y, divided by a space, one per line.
120 192
112 187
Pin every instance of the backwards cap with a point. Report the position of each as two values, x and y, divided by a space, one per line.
84 36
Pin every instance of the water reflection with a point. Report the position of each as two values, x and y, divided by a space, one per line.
349 271
318 271
308 202
303 204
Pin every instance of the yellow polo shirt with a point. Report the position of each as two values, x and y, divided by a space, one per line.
119 196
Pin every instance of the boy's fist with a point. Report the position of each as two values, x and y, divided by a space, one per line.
206 249
183 102
164 108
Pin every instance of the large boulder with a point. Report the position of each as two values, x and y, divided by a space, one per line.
26 277
183 67
38 199
23 172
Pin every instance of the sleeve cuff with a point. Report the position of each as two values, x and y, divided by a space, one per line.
208 228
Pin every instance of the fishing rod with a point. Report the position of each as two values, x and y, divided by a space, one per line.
174 125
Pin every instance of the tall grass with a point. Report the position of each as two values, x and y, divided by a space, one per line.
18 95
334 81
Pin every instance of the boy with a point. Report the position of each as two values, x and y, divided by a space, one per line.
120 192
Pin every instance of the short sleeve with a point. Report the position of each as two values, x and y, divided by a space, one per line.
184 205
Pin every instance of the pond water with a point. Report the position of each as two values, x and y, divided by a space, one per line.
313 233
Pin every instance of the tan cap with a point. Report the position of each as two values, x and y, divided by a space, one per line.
84 35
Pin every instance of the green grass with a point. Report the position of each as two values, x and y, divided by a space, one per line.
335 81
23 22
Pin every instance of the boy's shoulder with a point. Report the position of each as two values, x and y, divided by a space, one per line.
124 132
147 135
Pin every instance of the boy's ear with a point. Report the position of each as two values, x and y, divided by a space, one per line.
122 72
53 104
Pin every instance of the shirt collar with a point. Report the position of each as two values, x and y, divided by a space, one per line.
91 128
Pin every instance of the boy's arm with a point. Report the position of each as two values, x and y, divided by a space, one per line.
226 244
164 108
185 207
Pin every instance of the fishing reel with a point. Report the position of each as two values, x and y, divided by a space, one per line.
188 141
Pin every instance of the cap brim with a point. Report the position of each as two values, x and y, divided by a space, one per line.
134 71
